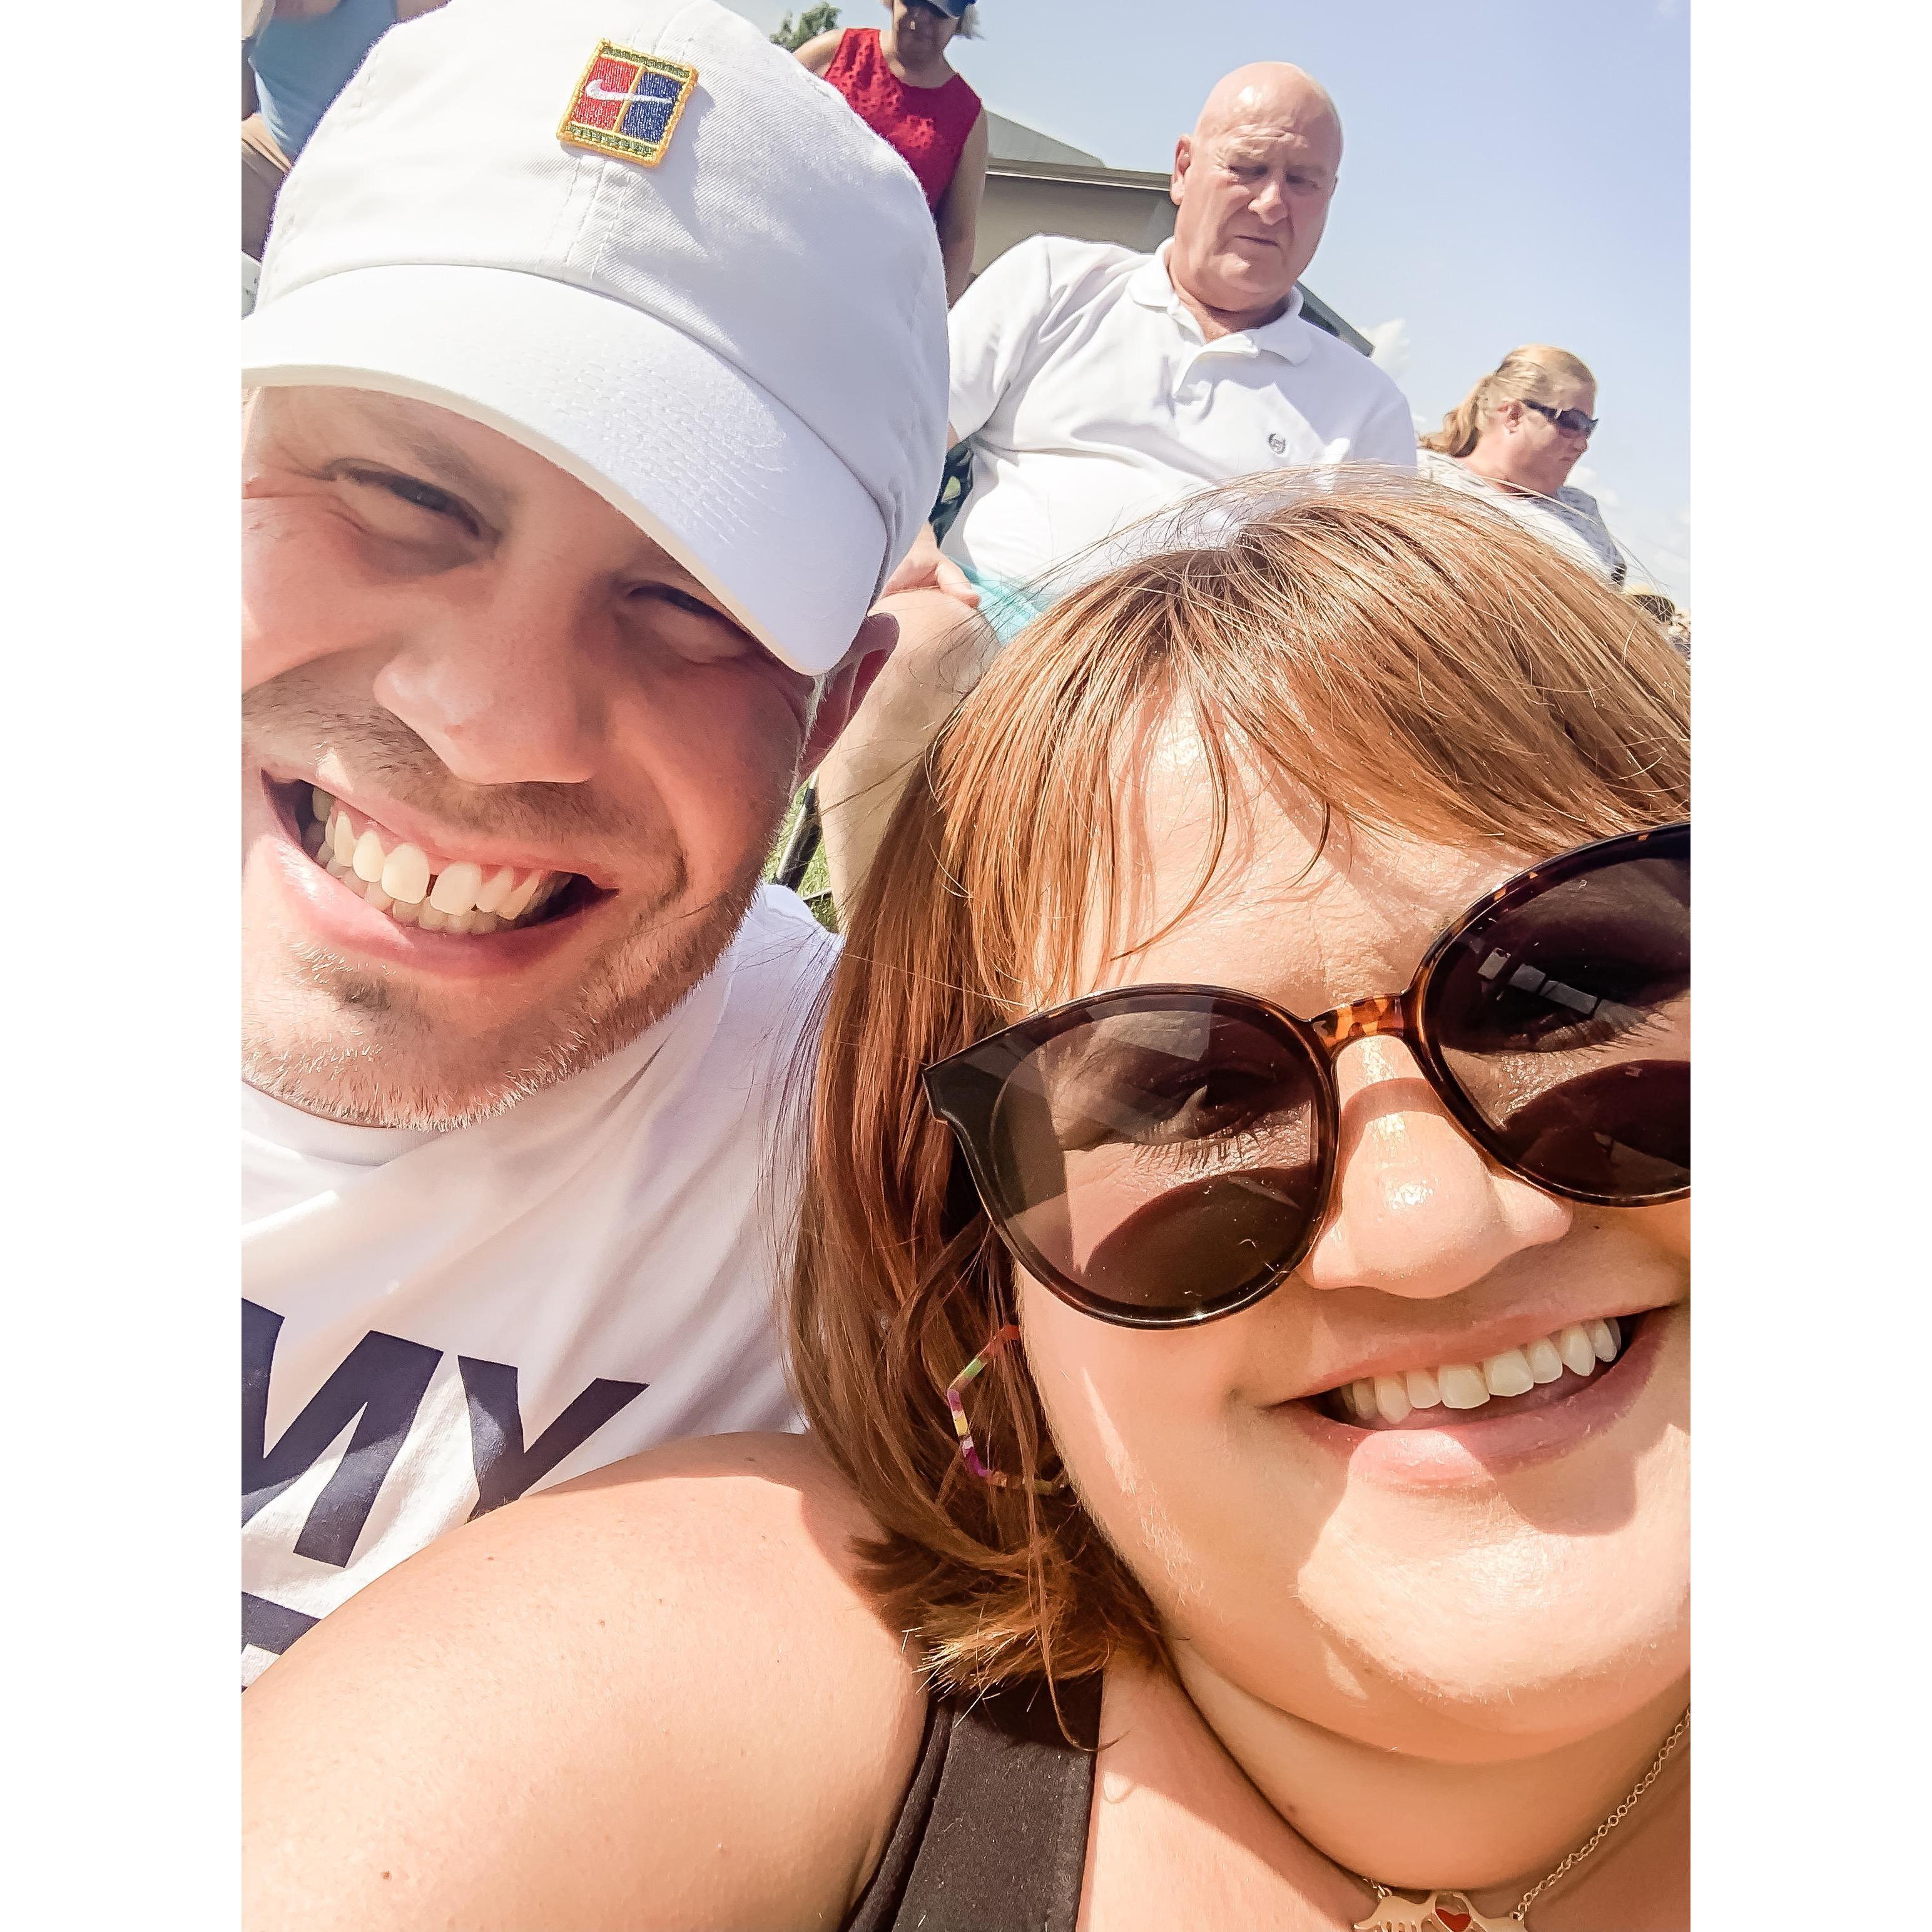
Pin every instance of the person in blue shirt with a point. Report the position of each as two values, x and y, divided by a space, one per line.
300 57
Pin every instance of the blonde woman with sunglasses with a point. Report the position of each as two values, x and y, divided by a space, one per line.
1242 1310
1513 440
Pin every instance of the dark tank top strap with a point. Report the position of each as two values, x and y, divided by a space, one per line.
992 1836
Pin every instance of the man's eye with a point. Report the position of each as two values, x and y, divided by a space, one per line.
679 600
413 491
695 629
425 494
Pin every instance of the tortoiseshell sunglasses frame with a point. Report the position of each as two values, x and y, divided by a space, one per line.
964 1089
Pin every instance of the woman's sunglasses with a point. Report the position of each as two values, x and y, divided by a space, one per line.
1572 422
1162 1155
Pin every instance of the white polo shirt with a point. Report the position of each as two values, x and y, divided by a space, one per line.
1091 399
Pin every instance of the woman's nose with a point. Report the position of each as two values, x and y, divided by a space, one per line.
1416 1209
504 689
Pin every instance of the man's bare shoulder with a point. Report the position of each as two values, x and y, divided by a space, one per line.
657 1695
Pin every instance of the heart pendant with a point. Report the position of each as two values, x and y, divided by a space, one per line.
1461 1916
1396 1914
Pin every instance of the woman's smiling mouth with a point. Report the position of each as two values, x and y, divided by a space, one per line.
1474 1432
1548 1369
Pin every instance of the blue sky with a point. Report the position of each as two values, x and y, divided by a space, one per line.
1516 171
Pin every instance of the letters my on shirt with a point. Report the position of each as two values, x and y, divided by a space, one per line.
379 1386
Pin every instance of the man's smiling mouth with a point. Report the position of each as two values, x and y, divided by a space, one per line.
414 886
1546 1370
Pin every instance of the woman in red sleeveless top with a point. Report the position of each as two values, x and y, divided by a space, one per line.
900 85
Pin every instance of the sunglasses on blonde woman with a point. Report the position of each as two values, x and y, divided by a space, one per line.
1572 422
1165 1154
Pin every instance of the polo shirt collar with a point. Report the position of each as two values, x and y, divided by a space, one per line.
1149 284
1287 336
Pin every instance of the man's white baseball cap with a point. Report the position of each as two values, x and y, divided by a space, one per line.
642 240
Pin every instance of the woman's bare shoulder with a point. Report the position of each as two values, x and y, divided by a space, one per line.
819 53
657 1695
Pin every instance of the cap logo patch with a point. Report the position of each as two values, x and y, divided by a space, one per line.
627 104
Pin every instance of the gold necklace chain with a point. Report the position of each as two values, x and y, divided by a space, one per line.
1409 1916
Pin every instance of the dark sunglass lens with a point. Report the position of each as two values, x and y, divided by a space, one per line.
1565 1020
1163 1158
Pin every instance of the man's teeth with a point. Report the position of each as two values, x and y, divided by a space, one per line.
1579 1348
416 889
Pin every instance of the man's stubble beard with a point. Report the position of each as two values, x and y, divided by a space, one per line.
348 1042
373 1060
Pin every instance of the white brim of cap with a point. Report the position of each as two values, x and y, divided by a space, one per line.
705 461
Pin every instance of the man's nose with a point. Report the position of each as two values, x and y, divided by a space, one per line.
1270 202
1417 1210
504 687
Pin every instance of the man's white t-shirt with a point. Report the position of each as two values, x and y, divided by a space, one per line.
436 1323
1091 399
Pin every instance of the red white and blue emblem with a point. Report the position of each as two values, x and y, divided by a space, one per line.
628 104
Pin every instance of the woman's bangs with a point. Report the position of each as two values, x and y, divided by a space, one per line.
1322 654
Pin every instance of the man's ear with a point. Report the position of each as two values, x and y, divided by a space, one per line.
1184 156
847 685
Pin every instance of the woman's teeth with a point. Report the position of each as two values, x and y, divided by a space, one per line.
415 888
1579 1348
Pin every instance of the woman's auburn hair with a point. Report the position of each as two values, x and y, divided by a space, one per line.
1522 375
1418 662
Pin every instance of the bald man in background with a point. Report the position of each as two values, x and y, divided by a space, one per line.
1095 386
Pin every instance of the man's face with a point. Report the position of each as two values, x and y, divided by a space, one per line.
452 649
1252 188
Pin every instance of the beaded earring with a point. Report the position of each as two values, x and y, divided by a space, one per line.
956 1400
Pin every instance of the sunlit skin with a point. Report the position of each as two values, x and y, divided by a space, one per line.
1251 185
1436 1657
914 44
915 40
452 635
1524 450
1518 1635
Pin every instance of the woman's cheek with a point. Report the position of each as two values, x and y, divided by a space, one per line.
1668 1225
1085 1390
1131 1413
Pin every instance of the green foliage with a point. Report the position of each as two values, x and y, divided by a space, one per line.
815 888
812 21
